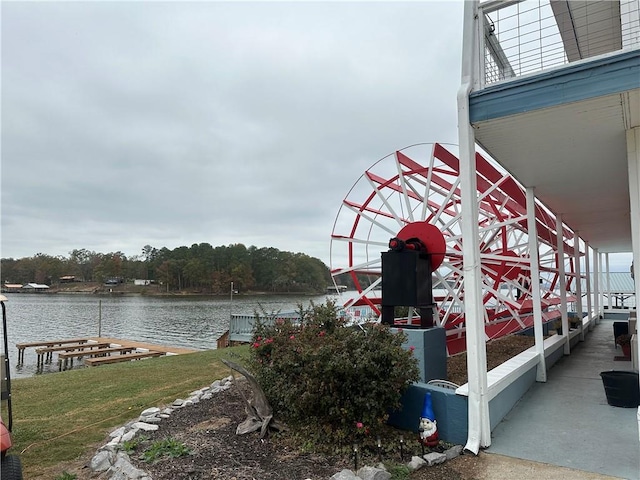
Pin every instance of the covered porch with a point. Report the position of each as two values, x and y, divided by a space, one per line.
567 420
551 91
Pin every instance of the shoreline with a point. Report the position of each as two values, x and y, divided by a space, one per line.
148 291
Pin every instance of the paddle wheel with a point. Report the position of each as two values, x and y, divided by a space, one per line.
416 190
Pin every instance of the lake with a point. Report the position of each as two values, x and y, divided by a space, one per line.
191 322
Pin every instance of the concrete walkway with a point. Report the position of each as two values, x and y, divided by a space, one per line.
567 421
492 466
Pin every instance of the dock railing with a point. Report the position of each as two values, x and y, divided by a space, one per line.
241 326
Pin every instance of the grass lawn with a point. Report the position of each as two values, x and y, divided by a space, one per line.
57 417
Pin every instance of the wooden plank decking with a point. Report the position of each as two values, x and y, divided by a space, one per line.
45 354
65 359
125 357
47 343
50 343
71 347
118 342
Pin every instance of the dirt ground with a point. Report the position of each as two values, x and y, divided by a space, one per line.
498 351
208 430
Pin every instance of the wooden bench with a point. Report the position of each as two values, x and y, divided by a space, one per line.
71 347
45 354
125 357
22 346
65 359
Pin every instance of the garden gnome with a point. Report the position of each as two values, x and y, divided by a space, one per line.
428 429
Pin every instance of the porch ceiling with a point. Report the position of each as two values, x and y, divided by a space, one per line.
574 155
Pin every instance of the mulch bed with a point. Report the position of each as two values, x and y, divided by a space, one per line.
498 351
208 430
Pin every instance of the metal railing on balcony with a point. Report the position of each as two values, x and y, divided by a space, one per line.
521 37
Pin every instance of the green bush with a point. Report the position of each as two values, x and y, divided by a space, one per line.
66 476
130 446
168 447
339 381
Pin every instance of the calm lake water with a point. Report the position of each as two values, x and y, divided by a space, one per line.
192 322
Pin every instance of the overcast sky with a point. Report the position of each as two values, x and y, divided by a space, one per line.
127 124
169 124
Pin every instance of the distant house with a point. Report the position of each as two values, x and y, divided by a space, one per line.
11 287
35 287
140 282
68 279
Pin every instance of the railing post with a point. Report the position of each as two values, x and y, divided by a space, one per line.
563 284
541 372
578 264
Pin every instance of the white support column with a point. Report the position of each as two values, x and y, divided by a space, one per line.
599 289
601 286
633 158
532 232
596 284
563 284
578 262
587 278
608 277
479 431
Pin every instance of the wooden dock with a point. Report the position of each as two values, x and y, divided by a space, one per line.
99 350
65 359
125 357
51 343
45 354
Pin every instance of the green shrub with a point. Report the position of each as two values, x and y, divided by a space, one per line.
67 476
398 471
130 446
337 380
168 447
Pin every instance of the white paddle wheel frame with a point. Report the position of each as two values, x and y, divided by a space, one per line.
421 183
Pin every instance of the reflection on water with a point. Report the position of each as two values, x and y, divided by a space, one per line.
191 322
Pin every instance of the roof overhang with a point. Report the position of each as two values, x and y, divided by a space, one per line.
563 132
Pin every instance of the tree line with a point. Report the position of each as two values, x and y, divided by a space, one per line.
201 267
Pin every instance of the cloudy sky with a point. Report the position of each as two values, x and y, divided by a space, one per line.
126 124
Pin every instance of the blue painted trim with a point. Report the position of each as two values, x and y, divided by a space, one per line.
507 398
575 82
430 350
450 411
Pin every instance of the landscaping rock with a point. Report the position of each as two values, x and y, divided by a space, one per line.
345 475
373 473
147 427
150 412
434 458
117 433
101 461
453 452
416 463
123 470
